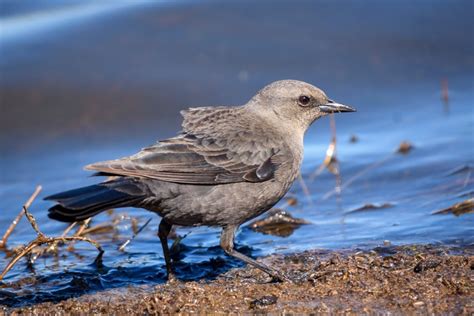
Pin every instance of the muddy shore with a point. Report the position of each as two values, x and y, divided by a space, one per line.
404 279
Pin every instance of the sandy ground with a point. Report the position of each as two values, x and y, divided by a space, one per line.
399 280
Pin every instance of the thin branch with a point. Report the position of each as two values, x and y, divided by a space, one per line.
32 221
68 229
331 162
41 240
97 228
83 227
328 161
53 246
17 219
334 163
305 189
35 243
80 231
122 247
358 175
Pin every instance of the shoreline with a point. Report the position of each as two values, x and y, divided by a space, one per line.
397 279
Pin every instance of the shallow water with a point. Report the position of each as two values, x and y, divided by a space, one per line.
114 82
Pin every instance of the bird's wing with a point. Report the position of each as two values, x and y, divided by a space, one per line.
214 149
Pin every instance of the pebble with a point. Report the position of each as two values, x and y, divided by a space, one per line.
418 304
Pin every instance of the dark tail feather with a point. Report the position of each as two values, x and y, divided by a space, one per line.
82 203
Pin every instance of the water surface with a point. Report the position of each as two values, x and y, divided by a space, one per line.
111 83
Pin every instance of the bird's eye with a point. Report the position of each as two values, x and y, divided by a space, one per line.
304 100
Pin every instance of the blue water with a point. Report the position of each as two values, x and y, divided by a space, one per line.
80 88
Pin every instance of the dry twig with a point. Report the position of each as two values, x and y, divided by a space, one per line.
42 239
17 219
79 232
305 189
330 161
122 247
53 246
404 148
357 175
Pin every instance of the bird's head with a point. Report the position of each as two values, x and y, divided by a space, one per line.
295 102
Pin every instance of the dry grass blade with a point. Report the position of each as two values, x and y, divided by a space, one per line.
333 163
358 175
122 247
68 229
17 219
98 229
175 248
305 189
330 161
403 148
79 232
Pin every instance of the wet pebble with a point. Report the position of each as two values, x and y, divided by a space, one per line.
426 265
353 139
263 301
418 304
405 147
278 222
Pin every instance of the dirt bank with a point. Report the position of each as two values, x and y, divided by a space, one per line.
427 279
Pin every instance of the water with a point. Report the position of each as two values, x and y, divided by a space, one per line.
114 81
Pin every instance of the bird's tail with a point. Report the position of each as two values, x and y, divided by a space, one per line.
79 204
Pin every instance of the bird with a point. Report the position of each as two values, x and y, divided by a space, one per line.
227 165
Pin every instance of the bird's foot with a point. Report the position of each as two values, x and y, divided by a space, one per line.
172 278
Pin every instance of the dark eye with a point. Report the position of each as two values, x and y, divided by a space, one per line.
304 99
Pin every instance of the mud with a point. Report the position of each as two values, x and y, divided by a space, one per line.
404 279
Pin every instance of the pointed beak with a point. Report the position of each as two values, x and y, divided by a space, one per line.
333 107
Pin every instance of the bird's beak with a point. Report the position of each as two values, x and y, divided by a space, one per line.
333 107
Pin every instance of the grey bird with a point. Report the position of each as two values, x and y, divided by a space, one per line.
227 166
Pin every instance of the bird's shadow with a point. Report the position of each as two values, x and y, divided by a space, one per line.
58 286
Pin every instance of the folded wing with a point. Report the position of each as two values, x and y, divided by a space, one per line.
223 152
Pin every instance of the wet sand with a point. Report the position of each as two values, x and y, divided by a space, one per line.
405 279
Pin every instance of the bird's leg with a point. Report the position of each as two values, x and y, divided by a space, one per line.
227 243
163 232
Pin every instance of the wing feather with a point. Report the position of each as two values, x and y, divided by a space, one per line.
214 148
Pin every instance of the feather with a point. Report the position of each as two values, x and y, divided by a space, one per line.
209 151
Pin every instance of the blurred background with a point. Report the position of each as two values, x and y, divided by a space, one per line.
82 81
